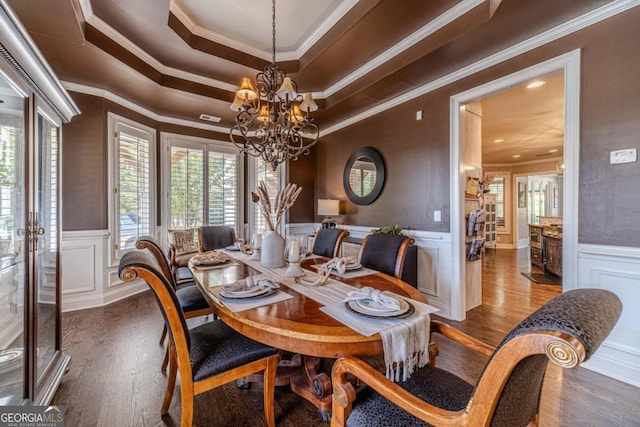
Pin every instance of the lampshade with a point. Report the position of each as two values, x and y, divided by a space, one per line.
237 104
246 92
308 105
328 207
264 114
287 89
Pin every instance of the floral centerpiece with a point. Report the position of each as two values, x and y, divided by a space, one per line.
273 244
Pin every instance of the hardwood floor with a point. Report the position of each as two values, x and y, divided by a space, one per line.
115 379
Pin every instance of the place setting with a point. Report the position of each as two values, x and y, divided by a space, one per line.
211 259
370 311
345 267
251 292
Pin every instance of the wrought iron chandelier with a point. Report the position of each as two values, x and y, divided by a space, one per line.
273 121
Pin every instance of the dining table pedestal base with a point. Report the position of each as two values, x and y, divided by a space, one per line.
314 386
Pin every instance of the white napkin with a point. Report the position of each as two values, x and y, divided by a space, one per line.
251 283
340 264
210 258
374 295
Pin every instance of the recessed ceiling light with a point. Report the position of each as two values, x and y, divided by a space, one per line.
498 140
553 150
515 156
535 84
209 118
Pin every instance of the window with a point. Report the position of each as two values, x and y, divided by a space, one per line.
261 171
498 185
133 182
204 182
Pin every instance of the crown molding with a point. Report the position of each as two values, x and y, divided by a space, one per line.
590 18
141 54
291 55
94 91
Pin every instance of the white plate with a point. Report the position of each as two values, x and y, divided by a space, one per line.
259 292
406 310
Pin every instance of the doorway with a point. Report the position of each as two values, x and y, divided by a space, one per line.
568 66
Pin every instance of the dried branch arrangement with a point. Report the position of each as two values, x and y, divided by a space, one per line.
273 212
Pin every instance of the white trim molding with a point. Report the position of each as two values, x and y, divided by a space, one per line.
616 269
86 275
569 64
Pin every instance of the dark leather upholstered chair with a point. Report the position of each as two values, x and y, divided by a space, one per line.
385 253
212 237
327 242
189 296
567 330
207 356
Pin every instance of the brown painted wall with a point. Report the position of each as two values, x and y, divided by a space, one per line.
416 153
302 173
85 156
84 167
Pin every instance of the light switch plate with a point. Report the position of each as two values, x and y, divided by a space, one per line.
629 155
437 216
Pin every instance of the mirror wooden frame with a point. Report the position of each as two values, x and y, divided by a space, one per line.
376 158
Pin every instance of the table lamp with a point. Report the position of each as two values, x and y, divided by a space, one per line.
329 208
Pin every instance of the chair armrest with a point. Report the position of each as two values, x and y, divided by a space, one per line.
344 395
461 338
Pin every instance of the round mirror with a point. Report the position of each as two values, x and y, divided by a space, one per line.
364 176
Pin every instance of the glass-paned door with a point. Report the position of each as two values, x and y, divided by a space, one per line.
46 242
204 185
13 256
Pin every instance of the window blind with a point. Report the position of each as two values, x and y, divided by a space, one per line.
134 183
496 186
263 172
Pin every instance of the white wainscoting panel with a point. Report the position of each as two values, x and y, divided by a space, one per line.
616 269
428 270
86 277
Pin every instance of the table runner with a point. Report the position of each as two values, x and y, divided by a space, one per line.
405 342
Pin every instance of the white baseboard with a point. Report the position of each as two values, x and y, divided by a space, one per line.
82 302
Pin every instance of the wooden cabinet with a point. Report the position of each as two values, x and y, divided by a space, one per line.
33 108
535 245
553 255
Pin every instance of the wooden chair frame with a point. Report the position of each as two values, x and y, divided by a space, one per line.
561 348
180 361
144 243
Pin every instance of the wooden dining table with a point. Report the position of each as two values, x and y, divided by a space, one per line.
297 325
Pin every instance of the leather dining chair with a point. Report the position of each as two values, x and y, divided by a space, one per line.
206 356
212 237
567 330
385 252
327 242
189 296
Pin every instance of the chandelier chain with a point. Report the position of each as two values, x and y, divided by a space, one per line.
273 32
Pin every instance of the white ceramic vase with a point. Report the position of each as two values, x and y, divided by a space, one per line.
272 252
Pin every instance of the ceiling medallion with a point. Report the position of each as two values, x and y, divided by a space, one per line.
273 121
